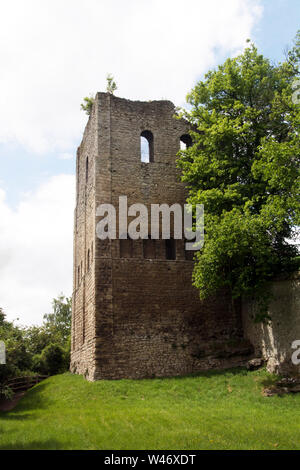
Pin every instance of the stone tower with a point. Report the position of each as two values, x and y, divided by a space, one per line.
135 311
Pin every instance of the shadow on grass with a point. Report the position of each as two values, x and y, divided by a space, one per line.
32 400
269 381
212 373
50 444
12 415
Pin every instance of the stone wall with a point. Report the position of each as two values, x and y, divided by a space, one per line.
136 313
83 308
273 341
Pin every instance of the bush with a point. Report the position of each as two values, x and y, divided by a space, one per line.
37 364
6 392
52 360
8 371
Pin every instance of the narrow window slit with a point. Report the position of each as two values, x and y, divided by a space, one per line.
126 248
170 248
147 148
149 248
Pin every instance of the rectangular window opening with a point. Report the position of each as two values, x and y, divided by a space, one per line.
149 248
170 249
126 248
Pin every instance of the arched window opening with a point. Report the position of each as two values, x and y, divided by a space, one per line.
87 169
170 248
147 148
88 259
185 141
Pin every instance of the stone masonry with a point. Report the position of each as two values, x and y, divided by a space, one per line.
135 311
273 340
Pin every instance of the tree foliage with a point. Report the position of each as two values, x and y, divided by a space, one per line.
87 104
44 349
17 356
293 55
60 320
111 86
88 101
244 167
53 359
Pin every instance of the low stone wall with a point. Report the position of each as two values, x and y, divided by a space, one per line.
273 341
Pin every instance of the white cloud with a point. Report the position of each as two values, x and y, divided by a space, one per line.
53 53
66 156
36 246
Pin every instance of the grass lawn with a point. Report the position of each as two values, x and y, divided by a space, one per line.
215 410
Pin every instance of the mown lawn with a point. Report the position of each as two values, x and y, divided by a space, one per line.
215 410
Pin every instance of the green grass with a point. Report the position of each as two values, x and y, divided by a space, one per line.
215 410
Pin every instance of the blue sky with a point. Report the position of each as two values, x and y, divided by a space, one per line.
22 170
52 54
277 27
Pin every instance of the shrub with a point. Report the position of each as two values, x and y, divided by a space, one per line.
52 359
6 392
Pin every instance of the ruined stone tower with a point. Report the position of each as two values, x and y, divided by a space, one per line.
135 312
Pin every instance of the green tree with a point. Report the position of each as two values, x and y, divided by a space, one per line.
87 104
111 84
28 348
36 338
2 317
17 356
59 322
53 359
244 167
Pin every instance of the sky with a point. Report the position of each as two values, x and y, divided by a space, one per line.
52 54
